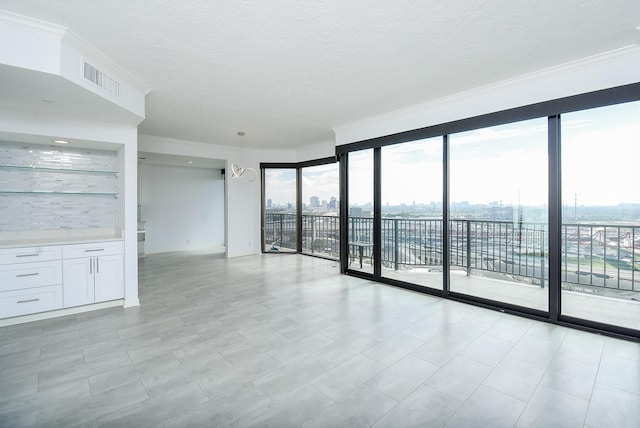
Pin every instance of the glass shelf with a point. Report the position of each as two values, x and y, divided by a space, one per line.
36 192
45 169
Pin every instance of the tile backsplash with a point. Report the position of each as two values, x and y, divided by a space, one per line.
45 188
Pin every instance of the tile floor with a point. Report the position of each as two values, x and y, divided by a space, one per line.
286 341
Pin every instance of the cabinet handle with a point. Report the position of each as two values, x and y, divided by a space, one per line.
28 301
93 250
27 274
28 255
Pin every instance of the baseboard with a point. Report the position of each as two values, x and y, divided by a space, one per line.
201 249
60 313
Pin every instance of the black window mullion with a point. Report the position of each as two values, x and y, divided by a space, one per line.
446 257
299 210
555 218
377 212
344 212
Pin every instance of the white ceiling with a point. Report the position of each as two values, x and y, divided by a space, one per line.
288 71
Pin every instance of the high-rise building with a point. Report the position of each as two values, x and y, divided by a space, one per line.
333 203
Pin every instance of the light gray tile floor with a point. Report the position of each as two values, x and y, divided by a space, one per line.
286 341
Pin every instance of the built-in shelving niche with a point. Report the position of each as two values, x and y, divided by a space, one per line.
48 188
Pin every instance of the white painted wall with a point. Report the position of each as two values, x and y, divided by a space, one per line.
35 46
183 208
608 70
242 229
315 151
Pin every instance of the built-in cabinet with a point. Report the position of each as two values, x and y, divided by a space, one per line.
66 201
92 273
46 278
30 280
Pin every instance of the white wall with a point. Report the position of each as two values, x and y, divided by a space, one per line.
183 208
242 197
316 151
611 69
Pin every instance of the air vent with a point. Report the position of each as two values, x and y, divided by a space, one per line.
105 81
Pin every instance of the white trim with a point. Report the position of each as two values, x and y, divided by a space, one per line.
65 35
131 303
32 24
215 249
60 313
610 63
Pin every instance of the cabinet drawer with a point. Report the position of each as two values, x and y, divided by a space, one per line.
23 302
96 249
29 254
30 275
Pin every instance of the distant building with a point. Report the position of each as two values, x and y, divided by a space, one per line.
355 212
333 203
314 201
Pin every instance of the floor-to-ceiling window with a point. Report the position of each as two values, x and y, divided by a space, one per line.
534 210
411 224
280 219
601 215
360 211
320 210
498 213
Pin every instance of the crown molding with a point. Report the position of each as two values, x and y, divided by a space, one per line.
32 24
598 60
67 36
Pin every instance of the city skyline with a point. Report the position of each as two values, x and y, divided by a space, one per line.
508 163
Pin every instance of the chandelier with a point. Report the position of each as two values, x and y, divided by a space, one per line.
239 172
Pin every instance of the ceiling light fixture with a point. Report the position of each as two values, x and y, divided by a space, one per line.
236 170
60 142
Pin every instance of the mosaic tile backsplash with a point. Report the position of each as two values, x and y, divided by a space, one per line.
45 188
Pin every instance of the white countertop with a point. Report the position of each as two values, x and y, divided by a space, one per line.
57 241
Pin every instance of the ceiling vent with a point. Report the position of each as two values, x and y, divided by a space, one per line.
101 79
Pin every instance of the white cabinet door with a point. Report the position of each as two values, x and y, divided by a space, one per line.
78 282
109 282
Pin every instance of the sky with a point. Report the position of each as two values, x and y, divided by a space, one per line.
506 163
321 181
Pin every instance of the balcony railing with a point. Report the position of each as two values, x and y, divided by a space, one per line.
280 230
598 255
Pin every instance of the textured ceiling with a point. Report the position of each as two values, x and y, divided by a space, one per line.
288 71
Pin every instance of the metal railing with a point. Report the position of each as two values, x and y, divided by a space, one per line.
321 235
280 230
596 255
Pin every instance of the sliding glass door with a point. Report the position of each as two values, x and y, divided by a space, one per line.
498 212
412 228
534 210
360 214
601 215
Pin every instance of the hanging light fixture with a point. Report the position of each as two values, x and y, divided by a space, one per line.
236 170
